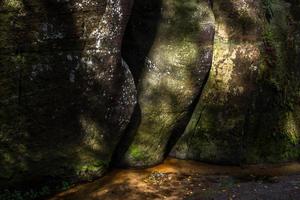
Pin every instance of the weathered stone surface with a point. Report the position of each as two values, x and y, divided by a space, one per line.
168 46
66 96
248 111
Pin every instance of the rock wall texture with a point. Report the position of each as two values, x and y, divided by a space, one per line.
170 69
215 81
249 110
66 94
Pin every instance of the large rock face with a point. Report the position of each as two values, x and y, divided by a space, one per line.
66 95
68 102
249 110
169 47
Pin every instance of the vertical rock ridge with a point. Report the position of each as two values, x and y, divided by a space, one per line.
172 41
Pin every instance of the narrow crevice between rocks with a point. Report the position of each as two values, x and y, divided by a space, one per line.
136 65
135 62
175 136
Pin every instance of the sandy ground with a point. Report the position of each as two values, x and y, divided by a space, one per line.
177 179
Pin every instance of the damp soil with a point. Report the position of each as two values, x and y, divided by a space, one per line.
178 179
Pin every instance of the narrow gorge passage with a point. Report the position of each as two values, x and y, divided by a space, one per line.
87 86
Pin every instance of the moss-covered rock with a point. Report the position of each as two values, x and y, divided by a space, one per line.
66 96
168 46
248 110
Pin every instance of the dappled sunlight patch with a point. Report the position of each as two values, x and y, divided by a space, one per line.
292 129
12 4
176 67
228 59
93 136
178 179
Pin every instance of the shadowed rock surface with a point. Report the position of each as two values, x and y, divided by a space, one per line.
66 94
82 90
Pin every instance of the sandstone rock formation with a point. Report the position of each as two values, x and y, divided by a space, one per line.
215 81
66 94
249 110
169 49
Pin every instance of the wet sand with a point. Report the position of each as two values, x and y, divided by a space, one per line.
178 179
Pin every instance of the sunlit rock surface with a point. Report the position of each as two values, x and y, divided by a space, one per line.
65 93
168 46
70 106
249 110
